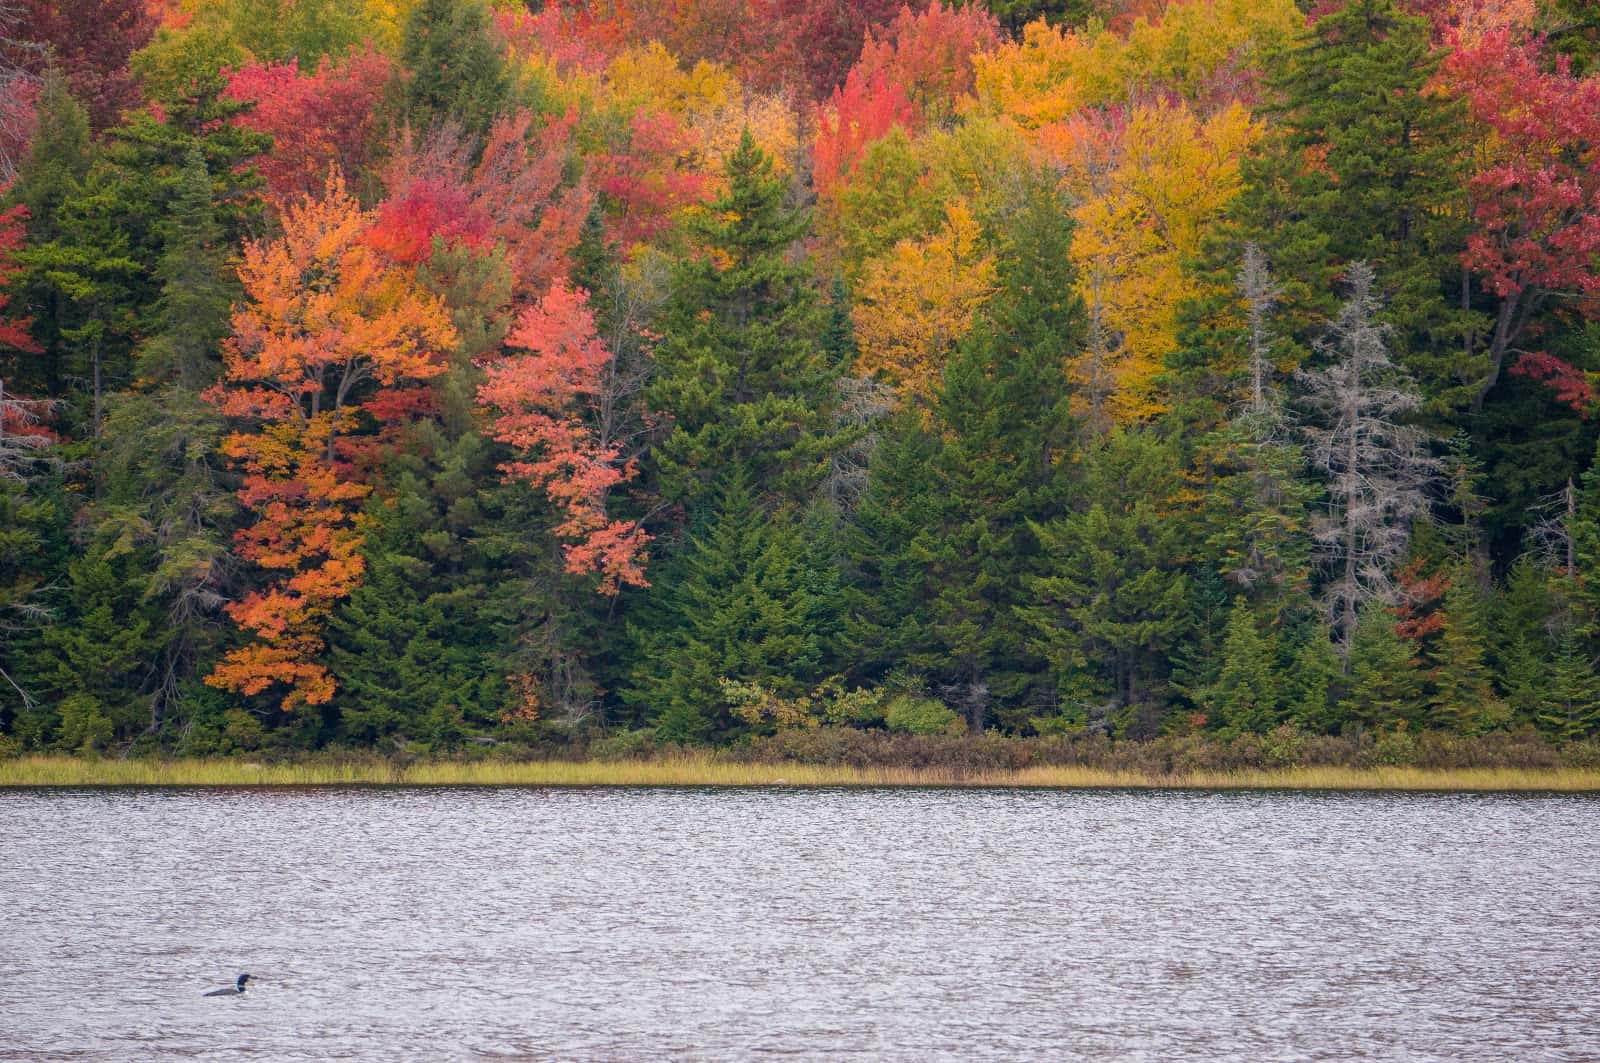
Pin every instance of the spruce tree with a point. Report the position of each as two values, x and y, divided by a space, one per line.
748 598
1463 697
1522 644
95 657
1571 704
1247 695
420 649
458 73
1355 96
1112 598
1001 432
1385 683
1313 685
739 369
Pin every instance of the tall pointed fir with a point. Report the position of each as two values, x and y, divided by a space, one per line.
750 394
165 500
458 72
1365 163
948 546
740 371
1108 610
743 600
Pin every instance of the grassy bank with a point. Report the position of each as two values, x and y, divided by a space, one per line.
705 770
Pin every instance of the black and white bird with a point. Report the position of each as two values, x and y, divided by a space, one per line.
232 991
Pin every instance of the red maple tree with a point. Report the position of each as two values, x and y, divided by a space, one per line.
548 395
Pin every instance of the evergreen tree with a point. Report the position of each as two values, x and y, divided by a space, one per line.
1366 165
34 552
1571 705
1522 644
95 658
164 498
739 369
458 73
1000 435
1247 693
421 649
1112 598
58 156
1385 683
1314 679
749 599
1463 698
888 585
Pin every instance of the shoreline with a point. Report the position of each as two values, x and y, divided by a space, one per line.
56 772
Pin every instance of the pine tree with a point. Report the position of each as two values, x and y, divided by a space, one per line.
420 650
739 369
58 156
94 658
1571 705
1463 698
1246 696
1314 679
457 71
749 599
1522 643
1366 166
1385 684
1001 433
1112 599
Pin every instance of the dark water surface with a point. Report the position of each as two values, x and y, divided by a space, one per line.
903 925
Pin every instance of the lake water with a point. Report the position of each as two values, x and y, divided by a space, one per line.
878 924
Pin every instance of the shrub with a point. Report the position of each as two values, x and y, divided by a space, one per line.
910 714
84 725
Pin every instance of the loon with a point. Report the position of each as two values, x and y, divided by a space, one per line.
232 991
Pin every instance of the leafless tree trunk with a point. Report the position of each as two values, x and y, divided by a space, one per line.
1260 296
1378 468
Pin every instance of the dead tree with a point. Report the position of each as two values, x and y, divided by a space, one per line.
1378 468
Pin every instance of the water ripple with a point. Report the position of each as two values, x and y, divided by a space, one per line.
784 923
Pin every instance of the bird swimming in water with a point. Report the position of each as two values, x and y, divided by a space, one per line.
232 991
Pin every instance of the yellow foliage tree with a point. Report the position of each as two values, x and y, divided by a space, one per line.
918 300
1195 48
1147 189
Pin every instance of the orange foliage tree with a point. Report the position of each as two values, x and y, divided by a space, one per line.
328 323
929 55
1148 182
551 396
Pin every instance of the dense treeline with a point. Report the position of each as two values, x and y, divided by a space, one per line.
409 373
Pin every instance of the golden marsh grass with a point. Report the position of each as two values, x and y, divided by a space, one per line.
711 771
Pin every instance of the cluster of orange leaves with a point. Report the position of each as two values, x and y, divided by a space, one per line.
325 317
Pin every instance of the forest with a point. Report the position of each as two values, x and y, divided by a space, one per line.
415 374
